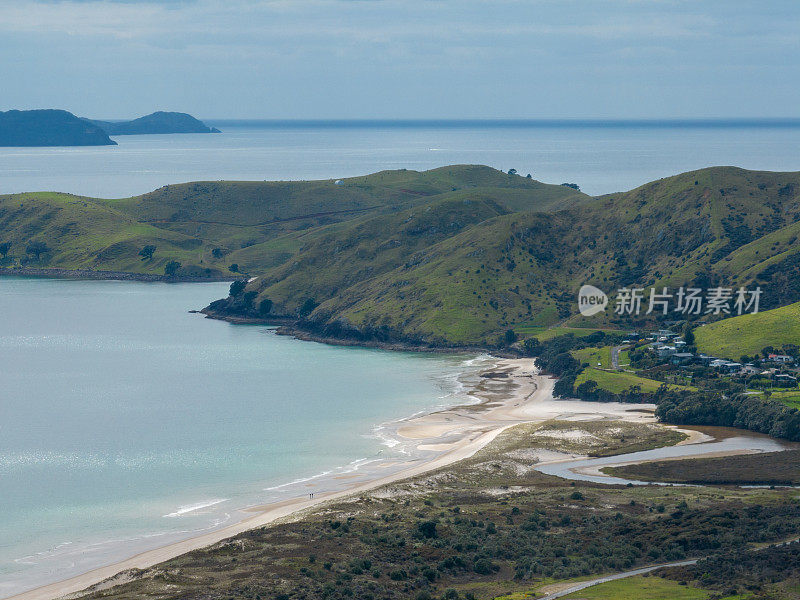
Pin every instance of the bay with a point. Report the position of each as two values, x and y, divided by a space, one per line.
127 423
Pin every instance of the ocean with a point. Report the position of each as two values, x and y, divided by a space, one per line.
600 156
127 423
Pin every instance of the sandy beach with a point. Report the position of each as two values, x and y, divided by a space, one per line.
508 394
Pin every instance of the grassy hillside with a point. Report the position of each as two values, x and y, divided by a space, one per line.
209 226
82 234
749 334
455 255
526 266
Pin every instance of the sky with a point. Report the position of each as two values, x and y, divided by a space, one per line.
403 59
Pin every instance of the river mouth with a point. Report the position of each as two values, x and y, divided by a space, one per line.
707 442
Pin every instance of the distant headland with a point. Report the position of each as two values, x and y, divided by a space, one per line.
53 127
157 122
49 128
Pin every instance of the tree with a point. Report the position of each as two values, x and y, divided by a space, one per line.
248 298
512 171
574 186
586 389
171 268
237 287
427 529
530 345
688 335
147 252
265 306
4 248
37 249
509 337
234 268
217 253
307 307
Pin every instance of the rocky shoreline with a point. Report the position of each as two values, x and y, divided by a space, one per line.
292 327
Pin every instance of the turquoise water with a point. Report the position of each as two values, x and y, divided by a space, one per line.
126 422
599 157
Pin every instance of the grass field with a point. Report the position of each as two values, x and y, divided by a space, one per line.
618 381
599 358
644 588
624 358
748 334
547 333
791 398
519 270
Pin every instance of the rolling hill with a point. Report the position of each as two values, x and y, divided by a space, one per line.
451 256
210 226
719 225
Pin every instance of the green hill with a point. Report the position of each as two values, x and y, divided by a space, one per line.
525 266
455 255
209 226
749 334
80 233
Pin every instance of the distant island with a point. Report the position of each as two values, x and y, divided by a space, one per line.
157 122
49 128
52 127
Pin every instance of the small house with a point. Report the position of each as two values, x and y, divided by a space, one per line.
681 358
665 351
780 358
726 366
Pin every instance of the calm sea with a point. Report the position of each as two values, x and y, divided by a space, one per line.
601 157
127 423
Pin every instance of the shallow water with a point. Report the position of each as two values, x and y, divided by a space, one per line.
127 423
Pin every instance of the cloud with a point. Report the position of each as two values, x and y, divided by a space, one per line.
372 20
398 55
